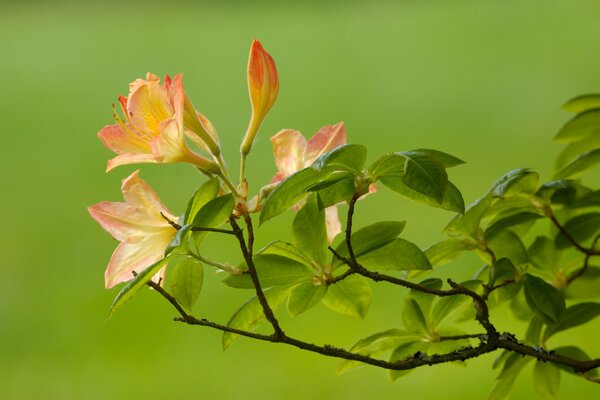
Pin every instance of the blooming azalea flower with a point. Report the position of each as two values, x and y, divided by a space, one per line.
263 87
138 224
293 152
157 120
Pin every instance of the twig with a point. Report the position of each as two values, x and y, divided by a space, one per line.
197 228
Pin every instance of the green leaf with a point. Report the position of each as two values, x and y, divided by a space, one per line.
534 331
178 240
575 315
289 192
351 296
423 174
424 300
586 286
272 270
331 180
214 213
446 306
581 228
304 296
546 380
402 352
511 221
583 162
348 157
468 224
447 250
521 180
187 276
341 191
387 165
580 127
412 317
512 368
371 237
452 201
250 315
133 286
542 253
287 250
575 353
548 189
544 298
508 244
205 193
310 233
590 199
502 270
399 254
447 160
571 151
581 103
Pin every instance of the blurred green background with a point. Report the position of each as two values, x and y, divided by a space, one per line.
482 80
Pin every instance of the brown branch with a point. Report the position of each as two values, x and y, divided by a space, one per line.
588 252
586 263
197 228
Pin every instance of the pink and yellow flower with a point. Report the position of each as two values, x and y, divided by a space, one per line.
138 224
157 120
263 87
293 152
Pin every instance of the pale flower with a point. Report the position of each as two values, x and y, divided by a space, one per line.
293 152
157 120
138 224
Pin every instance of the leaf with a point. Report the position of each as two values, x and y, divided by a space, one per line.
387 165
512 367
548 189
452 201
309 232
250 315
580 127
534 331
348 157
289 192
521 180
425 300
424 174
468 224
133 286
304 296
402 352
542 253
575 149
351 296
206 192
446 306
582 103
412 317
580 164
447 160
502 270
331 180
272 270
574 353
287 250
399 254
511 221
211 215
543 298
575 315
581 228
447 250
371 237
508 244
546 380
586 286
178 240
187 276
341 191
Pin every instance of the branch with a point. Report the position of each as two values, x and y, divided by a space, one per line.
197 228
588 252
586 263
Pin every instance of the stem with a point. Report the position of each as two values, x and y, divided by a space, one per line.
243 168
591 251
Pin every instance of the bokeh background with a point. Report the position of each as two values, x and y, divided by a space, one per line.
483 80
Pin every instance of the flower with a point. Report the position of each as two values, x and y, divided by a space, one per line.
293 152
157 120
263 87
138 224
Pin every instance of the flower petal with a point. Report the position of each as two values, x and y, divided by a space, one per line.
326 139
288 149
332 223
125 159
130 257
148 105
138 193
118 219
117 140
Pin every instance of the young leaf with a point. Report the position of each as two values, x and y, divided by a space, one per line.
571 151
371 237
272 270
205 193
304 296
546 380
412 317
186 280
447 250
543 298
468 224
289 192
575 315
512 367
352 296
211 215
580 127
399 254
582 103
580 164
581 228
348 157
250 315
521 180
309 232
132 287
